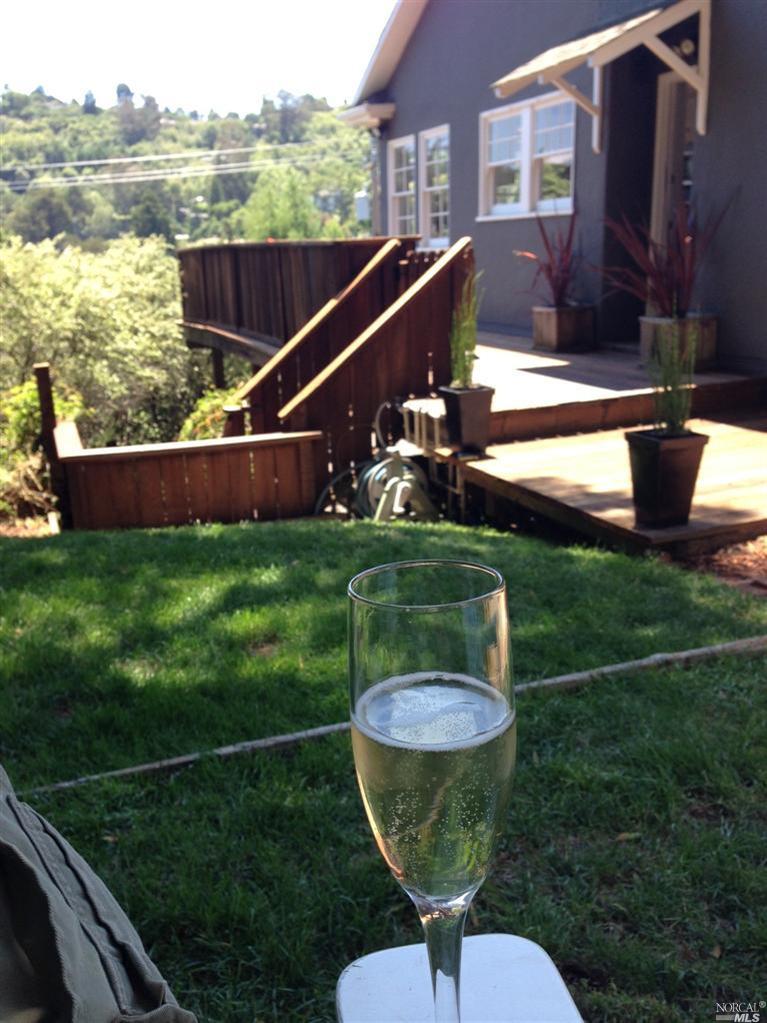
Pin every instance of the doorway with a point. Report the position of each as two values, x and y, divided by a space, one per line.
673 168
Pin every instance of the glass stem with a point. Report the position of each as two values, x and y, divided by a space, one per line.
443 924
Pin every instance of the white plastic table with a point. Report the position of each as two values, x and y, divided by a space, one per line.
504 979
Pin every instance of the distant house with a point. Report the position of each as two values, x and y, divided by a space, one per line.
490 111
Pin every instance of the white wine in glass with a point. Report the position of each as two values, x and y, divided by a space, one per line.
434 738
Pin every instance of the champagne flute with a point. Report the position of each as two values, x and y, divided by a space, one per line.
434 738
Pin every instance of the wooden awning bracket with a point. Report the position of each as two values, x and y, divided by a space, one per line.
649 36
606 45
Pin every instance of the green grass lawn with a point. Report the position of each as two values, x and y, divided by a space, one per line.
635 850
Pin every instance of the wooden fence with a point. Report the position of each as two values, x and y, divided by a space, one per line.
268 289
229 480
404 352
332 380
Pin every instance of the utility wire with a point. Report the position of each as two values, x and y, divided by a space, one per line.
189 154
88 181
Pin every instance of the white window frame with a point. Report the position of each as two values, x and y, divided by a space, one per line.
526 207
427 240
393 219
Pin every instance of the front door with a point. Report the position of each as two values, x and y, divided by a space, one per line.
673 164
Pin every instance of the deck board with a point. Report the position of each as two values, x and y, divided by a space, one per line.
545 394
583 482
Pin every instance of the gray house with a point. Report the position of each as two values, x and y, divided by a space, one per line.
487 112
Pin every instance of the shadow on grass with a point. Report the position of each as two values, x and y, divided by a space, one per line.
606 860
124 647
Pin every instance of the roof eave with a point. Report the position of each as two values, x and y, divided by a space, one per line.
391 45
367 115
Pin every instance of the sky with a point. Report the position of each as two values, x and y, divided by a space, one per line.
223 55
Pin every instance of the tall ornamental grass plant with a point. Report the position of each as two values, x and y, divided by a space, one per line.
463 333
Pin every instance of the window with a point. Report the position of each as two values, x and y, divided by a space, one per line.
526 158
552 154
402 186
434 164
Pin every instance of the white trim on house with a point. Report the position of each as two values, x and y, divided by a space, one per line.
391 45
367 115
600 48
520 146
394 217
522 216
424 190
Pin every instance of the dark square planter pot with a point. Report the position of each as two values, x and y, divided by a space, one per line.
467 410
664 471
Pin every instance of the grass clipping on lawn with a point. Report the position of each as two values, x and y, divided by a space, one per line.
634 851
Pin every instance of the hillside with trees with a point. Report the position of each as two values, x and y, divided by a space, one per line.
91 174
94 204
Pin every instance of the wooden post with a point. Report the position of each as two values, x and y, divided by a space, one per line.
56 470
218 368
235 421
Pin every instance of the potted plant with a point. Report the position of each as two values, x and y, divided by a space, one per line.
664 276
562 325
467 405
665 459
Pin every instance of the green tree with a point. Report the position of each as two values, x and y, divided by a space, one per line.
287 119
108 324
150 217
343 167
102 221
227 187
42 213
281 206
124 93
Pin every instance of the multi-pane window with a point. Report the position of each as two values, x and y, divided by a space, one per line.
434 155
552 154
402 186
504 162
526 156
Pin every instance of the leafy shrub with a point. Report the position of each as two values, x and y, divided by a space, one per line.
108 324
23 482
206 420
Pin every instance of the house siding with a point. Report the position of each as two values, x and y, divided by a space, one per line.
460 46
731 168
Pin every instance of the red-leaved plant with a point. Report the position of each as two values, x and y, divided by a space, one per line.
663 275
558 266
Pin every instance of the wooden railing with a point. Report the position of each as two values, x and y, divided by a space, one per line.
404 352
268 289
414 264
320 340
229 480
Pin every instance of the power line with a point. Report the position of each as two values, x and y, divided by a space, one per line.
84 181
189 154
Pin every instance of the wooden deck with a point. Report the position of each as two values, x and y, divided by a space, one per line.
583 483
544 394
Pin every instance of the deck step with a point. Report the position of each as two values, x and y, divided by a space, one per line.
424 417
583 483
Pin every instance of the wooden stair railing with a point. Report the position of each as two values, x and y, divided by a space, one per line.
323 337
403 353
